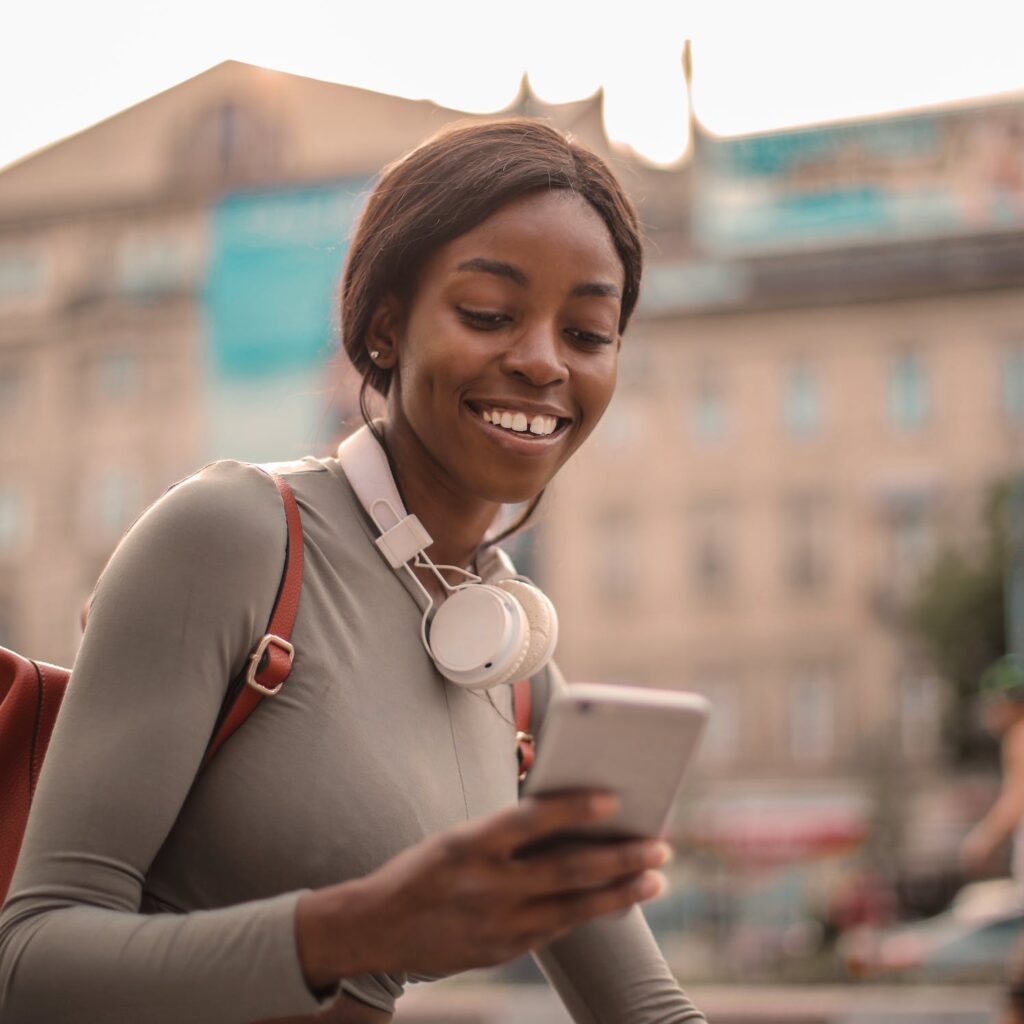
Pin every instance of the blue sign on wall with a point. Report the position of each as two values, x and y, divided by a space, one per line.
276 258
907 177
271 297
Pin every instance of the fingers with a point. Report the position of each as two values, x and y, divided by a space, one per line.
588 867
554 916
535 818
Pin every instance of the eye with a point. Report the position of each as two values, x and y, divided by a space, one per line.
483 319
588 338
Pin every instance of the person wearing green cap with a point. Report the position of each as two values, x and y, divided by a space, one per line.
1001 692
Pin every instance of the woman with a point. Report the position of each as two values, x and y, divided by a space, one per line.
361 827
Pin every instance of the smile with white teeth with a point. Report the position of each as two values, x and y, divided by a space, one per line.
519 422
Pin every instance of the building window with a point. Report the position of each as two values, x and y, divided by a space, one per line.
722 737
12 519
116 502
622 425
709 415
806 542
12 383
617 569
22 274
920 705
1012 383
802 401
909 400
911 540
229 142
812 716
636 367
155 264
712 568
7 625
116 375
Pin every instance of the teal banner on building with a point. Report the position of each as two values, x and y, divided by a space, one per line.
275 262
917 176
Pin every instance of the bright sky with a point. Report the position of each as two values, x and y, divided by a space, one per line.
758 64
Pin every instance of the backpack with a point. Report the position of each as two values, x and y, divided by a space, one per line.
31 693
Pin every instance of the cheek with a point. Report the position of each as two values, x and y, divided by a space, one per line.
597 388
418 366
432 371
440 354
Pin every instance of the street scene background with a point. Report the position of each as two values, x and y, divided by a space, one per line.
797 504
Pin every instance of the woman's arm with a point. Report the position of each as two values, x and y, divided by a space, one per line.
1005 814
611 971
177 608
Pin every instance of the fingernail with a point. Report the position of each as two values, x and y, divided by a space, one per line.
651 885
660 853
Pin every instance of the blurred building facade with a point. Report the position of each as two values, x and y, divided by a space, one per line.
819 393
825 376
167 285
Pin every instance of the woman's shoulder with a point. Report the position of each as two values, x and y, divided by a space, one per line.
226 518
225 500
208 552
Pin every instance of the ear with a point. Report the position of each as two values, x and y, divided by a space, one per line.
384 334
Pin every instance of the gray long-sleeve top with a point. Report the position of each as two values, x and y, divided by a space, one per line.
145 893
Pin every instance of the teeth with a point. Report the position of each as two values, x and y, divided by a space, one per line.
538 425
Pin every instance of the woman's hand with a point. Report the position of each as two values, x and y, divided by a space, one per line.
466 899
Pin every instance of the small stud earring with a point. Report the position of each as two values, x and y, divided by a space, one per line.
375 355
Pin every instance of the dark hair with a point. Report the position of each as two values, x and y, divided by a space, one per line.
446 187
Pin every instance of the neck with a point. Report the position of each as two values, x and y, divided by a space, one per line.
456 521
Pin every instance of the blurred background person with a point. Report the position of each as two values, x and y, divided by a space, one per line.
1001 691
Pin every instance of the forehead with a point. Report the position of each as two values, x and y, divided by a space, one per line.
555 227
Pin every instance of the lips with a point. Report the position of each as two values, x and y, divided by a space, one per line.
527 432
520 418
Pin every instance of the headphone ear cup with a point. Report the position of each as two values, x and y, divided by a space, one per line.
480 636
543 632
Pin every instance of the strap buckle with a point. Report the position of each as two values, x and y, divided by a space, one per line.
257 657
525 752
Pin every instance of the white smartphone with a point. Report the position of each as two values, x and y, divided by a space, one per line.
634 742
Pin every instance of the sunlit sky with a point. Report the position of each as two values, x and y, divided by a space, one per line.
758 64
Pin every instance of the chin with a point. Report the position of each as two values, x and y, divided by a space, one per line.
511 492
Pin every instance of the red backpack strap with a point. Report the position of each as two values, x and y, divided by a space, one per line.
522 698
271 660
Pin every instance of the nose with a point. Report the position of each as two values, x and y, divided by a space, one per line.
537 355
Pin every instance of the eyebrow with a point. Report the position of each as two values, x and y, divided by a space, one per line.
501 269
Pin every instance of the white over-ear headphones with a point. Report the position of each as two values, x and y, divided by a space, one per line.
483 634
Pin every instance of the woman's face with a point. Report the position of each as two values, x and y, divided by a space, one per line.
506 356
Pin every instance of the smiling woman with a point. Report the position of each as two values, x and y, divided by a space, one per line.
363 827
517 317
525 258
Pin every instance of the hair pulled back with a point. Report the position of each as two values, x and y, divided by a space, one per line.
446 187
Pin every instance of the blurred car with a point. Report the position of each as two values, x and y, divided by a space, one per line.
971 941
